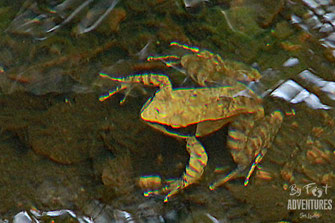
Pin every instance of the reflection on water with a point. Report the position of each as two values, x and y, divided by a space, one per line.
89 158
294 93
146 212
41 22
36 216
327 87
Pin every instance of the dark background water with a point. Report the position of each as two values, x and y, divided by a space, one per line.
61 148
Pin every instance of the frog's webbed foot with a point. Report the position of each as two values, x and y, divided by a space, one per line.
240 172
194 169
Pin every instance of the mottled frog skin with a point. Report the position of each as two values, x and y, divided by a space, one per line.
209 108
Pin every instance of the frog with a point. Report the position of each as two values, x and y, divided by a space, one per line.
207 68
221 97
209 108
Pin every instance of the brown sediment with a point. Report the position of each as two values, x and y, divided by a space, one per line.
24 74
116 17
118 175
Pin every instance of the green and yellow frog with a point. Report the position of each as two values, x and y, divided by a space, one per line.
209 108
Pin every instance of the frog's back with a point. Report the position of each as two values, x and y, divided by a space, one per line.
204 104
191 106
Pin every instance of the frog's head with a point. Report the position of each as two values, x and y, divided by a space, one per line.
156 110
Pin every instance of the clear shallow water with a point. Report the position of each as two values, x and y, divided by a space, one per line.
57 136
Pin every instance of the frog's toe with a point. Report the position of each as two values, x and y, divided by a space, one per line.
240 172
257 160
174 188
112 92
237 173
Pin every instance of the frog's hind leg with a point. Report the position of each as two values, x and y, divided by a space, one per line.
194 169
239 132
197 163
248 142
240 172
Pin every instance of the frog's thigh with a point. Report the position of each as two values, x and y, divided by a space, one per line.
237 142
247 137
197 163
267 129
261 139
238 133
263 133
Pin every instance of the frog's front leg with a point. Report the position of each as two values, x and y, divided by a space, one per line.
150 79
248 142
194 169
